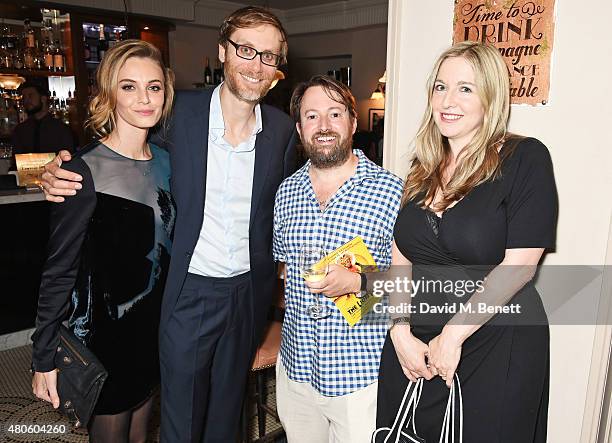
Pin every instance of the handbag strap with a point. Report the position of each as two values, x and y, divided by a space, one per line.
411 407
411 396
410 401
448 429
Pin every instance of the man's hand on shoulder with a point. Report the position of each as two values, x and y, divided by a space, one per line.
58 182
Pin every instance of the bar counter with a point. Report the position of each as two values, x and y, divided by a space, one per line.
24 232
12 197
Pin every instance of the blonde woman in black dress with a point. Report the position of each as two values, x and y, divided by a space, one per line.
109 245
478 202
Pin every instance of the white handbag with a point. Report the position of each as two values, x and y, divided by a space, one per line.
404 425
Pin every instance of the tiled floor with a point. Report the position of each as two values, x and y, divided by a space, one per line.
19 407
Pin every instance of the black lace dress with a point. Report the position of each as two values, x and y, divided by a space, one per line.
108 256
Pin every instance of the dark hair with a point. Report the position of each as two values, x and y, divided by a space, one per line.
334 89
42 91
251 17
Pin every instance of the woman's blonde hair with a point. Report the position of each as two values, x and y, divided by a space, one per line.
479 160
102 106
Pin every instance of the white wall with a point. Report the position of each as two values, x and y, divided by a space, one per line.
368 49
188 47
574 127
190 44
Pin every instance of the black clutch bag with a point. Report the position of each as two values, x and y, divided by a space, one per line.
80 377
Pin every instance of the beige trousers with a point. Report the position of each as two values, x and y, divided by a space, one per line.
309 417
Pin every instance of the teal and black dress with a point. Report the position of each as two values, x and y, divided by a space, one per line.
108 256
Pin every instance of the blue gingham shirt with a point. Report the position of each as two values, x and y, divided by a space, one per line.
335 358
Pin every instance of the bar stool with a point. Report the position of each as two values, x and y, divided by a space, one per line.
265 358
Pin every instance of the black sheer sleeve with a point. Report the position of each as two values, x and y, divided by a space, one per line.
68 226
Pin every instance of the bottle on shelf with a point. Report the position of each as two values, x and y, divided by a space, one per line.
18 60
13 117
67 114
102 43
69 106
93 53
4 124
6 58
39 58
218 73
91 85
23 115
4 32
53 105
11 40
59 61
86 51
208 79
46 32
48 56
29 58
113 38
28 34
70 100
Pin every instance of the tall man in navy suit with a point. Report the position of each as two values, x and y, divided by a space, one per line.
228 154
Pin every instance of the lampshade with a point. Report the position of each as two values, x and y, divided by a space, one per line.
11 81
377 94
383 79
277 76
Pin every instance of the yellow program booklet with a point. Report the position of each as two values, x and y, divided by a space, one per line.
355 257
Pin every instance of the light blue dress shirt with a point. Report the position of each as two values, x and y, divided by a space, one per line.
222 249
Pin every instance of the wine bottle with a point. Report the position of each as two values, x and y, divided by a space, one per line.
28 34
218 73
54 108
17 60
39 58
64 115
59 64
29 58
48 56
13 117
23 115
102 43
4 124
6 59
86 52
208 79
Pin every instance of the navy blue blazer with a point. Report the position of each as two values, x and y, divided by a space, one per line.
187 142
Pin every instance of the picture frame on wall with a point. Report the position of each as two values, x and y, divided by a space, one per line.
374 116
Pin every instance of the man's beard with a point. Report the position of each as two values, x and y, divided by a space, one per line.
329 156
34 110
251 95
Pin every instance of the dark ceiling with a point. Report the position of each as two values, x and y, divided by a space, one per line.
285 4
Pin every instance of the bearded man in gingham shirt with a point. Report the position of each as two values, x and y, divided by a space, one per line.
327 371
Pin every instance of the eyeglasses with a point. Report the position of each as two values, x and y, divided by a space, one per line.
248 53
